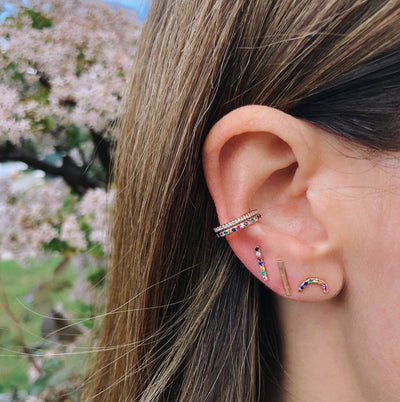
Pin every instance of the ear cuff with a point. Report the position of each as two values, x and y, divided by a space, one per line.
238 224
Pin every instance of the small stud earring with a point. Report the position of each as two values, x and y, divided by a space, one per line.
285 281
261 263
317 281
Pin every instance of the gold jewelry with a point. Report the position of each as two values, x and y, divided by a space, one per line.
237 224
261 263
285 281
317 281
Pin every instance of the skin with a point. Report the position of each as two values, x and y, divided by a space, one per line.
347 349
329 211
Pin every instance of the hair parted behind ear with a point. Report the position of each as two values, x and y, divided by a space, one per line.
184 322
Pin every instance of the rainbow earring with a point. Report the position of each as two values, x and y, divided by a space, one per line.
261 263
316 281
238 224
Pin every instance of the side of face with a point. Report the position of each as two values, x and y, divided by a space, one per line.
330 210
358 199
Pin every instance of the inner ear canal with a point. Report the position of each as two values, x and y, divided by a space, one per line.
285 212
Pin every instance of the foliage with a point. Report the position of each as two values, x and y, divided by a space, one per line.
48 217
75 229
33 291
64 68
40 220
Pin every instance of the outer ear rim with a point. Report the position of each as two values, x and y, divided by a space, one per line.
249 120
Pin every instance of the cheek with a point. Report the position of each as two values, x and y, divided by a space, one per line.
371 259
372 332
358 202
371 246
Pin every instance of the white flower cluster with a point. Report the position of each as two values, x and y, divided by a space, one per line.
92 207
28 219
35 217
85 56
13 124
72 233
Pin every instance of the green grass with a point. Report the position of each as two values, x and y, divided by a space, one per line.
35 286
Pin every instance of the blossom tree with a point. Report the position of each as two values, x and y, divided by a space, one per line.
47 218
64 68
63 71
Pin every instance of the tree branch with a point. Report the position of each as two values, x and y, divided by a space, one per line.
103 148
75 176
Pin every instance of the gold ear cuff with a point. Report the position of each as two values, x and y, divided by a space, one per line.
238 224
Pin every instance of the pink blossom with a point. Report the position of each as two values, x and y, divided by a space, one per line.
96 206
33 217
73 73
72 234
85 56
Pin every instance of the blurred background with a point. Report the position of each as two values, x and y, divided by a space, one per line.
64 68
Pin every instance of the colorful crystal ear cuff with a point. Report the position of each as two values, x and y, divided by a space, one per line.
238 224
261 263
316 281
282 270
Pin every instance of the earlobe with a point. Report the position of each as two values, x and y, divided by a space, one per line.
259 158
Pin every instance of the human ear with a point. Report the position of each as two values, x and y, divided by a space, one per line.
257 157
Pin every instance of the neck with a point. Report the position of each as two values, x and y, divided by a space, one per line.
317 359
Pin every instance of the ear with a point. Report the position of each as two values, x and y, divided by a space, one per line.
260 158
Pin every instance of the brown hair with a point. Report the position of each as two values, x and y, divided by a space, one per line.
185 322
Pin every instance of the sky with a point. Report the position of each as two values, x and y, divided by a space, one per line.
140 6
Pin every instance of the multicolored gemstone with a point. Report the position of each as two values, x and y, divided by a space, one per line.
236 227
317 281
261 263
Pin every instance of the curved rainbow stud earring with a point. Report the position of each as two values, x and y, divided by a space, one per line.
317 281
